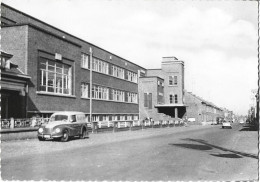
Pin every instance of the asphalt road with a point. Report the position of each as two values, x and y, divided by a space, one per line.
168 154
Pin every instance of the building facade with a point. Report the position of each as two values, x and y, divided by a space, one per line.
200 110
162 91
67 73
14 88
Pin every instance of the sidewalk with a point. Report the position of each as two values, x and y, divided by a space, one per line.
14 148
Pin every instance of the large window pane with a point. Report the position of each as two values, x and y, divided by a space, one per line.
55 77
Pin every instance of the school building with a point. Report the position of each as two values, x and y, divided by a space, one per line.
56 71
58 76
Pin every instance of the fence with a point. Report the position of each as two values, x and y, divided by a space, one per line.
132 125
95 126
22 122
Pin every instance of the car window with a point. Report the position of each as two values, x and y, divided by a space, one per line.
73 118
81 118
58 118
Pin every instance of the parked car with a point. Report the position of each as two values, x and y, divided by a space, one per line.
226 124
63 125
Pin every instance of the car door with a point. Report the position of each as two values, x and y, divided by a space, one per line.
73 125
79 124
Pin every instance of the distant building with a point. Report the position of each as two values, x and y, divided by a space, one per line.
161 91
200 110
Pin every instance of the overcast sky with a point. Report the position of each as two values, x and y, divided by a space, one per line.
217 40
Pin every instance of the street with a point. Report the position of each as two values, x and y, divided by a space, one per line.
168 154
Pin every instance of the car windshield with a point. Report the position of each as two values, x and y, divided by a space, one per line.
58 118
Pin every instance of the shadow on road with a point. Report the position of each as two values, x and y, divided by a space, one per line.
206 147
248 128
193 146
227 155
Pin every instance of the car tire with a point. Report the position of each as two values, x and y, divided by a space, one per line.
65 136
41 139
222 127
83 133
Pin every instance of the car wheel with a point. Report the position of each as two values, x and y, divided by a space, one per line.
41 139
83 134
222 127
65 136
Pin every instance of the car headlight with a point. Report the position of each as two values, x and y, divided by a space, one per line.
40 130
57 130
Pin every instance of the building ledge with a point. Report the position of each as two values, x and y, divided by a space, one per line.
53 94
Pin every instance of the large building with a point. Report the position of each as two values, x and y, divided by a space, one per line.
162 91
55 73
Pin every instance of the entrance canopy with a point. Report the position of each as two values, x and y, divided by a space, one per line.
172 110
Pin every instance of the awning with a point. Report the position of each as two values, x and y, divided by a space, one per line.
172 110
169 105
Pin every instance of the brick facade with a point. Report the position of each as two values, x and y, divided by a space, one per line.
200 110
31 40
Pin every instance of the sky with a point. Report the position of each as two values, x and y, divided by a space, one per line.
217 40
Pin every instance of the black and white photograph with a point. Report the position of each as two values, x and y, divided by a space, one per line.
130 90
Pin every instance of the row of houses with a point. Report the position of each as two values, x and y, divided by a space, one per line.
45 69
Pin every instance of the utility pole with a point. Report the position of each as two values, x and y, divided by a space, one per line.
90 88
257 98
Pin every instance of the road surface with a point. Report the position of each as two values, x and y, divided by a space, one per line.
168 154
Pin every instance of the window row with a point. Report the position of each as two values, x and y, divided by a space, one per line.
118 117
103 67
99 92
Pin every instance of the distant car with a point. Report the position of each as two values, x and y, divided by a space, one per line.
226 124
241 121
63 125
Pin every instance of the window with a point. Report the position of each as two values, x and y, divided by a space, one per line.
175 98
118 95
129 117
131 76
171 99
84 90
145 100
84 60
131 97
170 80
105 118
135 118
114 118
99 92
55 77
122 118
118 72
148 100
99 66
95 118
175 80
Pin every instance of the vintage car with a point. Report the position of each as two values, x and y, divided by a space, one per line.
63 125
226 124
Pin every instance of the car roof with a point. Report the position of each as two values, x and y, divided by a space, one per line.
68 113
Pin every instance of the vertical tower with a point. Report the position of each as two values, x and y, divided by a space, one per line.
173 74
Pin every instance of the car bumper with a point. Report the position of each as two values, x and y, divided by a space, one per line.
49 136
